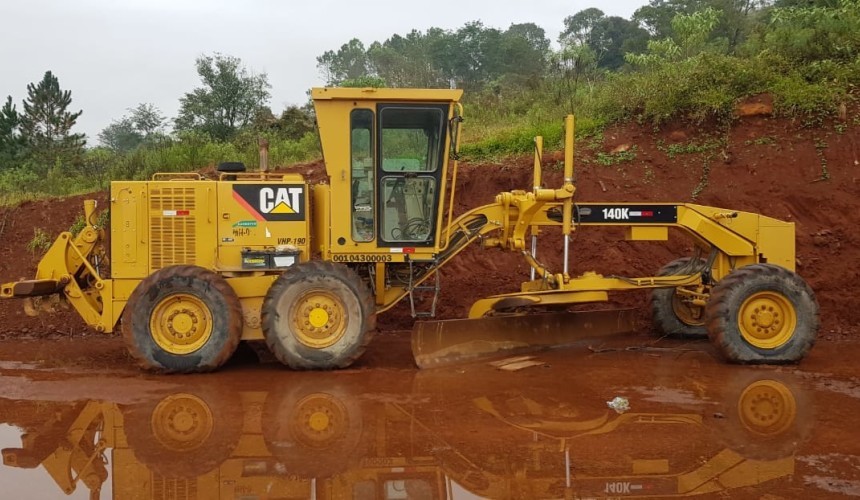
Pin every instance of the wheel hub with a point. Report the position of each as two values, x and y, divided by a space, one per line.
687 312
181 324
319 319
767 320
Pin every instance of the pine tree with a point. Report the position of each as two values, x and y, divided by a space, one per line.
46 124
11 144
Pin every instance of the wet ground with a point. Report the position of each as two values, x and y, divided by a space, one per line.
76 419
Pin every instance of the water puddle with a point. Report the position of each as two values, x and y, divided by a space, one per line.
693 428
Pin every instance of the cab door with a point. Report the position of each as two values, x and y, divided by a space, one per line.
410 152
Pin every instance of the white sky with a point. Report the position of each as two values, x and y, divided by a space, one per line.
114 54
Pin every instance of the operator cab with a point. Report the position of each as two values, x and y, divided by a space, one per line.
397 158
395 199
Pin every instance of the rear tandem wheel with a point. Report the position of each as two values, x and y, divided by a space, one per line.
671 314
318 315
764 314
182 319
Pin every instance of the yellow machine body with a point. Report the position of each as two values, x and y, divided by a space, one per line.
246 227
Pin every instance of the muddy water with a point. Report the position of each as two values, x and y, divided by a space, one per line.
694 427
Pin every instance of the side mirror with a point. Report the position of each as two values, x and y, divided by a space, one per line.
454 131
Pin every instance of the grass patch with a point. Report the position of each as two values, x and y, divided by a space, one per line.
690 147
609 159
41 241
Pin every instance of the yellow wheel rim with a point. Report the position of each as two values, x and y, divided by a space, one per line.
181 324
767 408
182 422
686 313
319 319
319 419
767 320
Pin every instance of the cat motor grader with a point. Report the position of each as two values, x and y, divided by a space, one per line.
196 265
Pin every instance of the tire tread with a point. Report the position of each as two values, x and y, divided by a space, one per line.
213 281
720 317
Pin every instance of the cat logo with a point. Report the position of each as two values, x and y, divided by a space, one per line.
266 202
280 201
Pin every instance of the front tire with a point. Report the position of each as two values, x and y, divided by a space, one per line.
182 319
762 314
318 315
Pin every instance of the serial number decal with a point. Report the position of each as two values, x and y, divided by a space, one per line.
361 258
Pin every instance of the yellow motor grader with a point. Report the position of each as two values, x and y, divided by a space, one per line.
197 265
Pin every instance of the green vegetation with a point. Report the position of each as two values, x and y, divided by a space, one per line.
761 141
820 146
687 60
80 223
40 243
609 159
690 147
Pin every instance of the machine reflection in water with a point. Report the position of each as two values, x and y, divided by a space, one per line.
327 436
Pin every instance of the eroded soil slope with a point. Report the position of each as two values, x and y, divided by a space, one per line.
777 168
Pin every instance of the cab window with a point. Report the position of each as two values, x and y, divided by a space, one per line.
363 190
411 142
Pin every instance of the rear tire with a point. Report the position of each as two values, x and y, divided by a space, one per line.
670 314
182 319
762 314
318 315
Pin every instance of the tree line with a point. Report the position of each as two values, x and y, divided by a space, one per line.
689 58
478 57
220 119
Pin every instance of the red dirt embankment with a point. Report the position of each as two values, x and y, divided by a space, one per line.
762 165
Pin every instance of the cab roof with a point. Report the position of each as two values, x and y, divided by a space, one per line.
385 94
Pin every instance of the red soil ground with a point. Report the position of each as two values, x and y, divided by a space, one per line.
768 166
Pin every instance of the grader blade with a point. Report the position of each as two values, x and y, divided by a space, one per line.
449 342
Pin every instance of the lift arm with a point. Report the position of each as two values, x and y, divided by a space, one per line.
70 267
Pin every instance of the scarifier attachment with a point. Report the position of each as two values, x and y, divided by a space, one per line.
441 343
31 288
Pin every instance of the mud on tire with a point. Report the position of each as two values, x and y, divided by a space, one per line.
318 315
762 314
158 301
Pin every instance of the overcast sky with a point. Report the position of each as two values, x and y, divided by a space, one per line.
114 54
